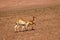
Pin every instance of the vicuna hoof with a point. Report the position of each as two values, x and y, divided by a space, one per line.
33 29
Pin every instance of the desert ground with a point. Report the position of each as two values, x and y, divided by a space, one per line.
47 23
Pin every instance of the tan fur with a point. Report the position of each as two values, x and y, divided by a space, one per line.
24 24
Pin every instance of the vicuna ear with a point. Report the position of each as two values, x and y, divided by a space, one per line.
34 18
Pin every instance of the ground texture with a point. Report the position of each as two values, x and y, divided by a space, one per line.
47 23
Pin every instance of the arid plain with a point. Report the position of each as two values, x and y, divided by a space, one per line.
47 13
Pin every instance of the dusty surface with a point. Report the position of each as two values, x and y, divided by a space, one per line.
13 4
47 24
47 19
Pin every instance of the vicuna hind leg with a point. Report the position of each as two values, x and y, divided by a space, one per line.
16 28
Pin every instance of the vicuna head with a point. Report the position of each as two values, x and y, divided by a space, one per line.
31 22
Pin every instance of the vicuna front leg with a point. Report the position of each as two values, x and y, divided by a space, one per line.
23 28
26 28
27 24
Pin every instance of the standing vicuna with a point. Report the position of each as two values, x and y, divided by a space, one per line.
24 24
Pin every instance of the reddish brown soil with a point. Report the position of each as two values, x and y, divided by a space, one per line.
47 19
47 24
13 4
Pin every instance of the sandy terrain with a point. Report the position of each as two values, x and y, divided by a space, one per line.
47 24
14 4
47 19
